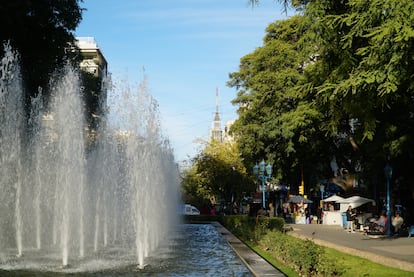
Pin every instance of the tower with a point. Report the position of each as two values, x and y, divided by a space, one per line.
216 133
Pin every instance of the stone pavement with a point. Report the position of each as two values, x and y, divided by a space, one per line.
396 252
256 264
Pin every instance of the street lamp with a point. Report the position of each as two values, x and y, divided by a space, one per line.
263 172
322 189
388 176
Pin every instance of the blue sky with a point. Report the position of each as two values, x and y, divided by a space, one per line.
187 47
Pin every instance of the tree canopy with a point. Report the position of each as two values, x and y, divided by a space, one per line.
218 172
333 80
276 120
41 32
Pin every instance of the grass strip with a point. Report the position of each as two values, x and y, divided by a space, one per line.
357 266
288 271
353 266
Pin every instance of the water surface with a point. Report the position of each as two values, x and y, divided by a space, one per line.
194 250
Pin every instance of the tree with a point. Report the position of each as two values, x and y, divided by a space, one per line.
360 83
193 190
276 120
41 31
364 80
218 171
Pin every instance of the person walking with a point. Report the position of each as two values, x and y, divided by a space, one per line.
350 216
397 222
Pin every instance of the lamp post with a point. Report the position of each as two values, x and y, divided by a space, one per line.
322 189
263 172
388 176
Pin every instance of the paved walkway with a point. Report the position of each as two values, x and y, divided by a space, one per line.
397 252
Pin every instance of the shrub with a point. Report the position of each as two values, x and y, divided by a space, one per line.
305 256
251 228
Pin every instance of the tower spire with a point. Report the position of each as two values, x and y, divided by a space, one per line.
216 132
217 100
217 115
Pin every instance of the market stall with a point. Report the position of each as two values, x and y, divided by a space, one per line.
336 206
331 210
356 202
298 206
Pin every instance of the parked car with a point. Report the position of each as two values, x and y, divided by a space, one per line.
188 209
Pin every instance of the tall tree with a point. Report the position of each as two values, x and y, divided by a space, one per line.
364 78
276 120
193 190
41 31
361 82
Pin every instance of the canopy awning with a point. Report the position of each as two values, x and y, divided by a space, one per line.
358 200
355 202
333 198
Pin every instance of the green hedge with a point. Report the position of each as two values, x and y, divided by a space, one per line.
304 256
251 228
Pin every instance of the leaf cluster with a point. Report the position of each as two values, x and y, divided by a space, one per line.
218 171
333 80
41 32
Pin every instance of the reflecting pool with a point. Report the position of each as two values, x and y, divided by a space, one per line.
194 250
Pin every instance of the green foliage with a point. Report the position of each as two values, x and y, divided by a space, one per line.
334 80
41 31
357 266
365 74
193 189
218 171
305 256
252 228
276 119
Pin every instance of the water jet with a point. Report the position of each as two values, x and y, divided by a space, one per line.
65 201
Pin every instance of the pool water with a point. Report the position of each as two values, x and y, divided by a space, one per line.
194 250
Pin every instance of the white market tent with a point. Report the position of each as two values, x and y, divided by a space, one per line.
333 198
354 201
335 217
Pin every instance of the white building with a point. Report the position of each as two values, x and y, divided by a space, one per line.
93 60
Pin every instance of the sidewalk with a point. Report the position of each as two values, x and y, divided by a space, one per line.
396 252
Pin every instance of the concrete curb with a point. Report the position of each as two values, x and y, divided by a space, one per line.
258 266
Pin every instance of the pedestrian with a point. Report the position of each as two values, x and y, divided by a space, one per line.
397 222
319 215
271 210
350 216
307 216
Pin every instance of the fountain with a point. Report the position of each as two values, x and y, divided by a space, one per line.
65 206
